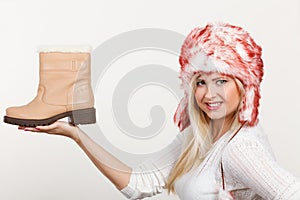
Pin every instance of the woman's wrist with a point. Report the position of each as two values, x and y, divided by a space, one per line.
75 134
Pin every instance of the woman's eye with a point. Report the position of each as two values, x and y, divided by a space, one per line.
200 83
221 82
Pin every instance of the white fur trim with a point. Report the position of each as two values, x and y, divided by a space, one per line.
202 62
247 114
64 48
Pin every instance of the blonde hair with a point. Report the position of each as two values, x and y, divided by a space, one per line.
201 141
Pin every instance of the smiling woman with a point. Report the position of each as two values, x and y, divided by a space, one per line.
222 152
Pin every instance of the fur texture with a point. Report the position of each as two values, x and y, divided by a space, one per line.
64 48
226 49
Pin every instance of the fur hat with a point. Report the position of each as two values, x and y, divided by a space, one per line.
226 49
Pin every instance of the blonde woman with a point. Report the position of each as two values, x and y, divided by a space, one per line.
221 152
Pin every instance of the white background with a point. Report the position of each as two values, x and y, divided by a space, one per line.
35 167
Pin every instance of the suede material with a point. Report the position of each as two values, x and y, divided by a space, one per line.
36 109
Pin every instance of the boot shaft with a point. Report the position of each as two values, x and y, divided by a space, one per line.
64 61
66 78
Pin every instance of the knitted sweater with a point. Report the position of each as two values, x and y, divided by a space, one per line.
250 170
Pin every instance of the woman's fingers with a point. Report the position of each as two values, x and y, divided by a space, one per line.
32 129
46 129
57 128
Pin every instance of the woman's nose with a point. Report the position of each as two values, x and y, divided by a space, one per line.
210 92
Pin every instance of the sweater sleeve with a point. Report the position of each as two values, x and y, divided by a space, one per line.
248 160
149 178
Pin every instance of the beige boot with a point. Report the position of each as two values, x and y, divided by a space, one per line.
64 89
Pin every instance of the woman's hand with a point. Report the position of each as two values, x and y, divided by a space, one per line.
57 128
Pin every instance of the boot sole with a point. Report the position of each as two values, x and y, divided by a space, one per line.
83 116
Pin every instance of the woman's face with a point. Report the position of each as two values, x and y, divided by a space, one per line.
217 95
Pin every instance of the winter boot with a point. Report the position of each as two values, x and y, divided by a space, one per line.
64 89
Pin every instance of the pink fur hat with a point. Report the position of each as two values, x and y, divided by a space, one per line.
226 49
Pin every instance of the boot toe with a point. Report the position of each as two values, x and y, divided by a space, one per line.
14 112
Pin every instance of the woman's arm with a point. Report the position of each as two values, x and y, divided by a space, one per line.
145 180
115 170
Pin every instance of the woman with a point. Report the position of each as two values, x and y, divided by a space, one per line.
222 152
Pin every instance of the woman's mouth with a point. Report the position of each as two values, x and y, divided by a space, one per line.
213 105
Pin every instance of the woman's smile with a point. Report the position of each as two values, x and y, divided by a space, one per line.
213 106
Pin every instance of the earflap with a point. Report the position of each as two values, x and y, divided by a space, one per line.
181 117
249 111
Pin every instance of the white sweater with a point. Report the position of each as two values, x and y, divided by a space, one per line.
250 170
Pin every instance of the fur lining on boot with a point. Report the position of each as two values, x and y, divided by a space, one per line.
64 48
